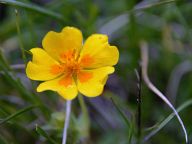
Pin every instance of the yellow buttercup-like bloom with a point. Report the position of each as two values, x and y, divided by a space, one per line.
67 66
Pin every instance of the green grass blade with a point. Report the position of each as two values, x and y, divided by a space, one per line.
151 5
18 113
121 113
41 132
20 37
184 22
32 7
125 119
16 83
3 112
153 88
166 121
110 27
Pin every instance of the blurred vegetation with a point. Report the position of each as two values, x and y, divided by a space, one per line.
36 118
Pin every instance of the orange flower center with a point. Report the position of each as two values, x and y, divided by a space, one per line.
69 64
71 68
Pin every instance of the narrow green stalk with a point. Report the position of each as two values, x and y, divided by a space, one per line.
20 37
84 117
139 78
82 104
33 35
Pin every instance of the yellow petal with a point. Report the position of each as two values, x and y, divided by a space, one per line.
92 82
40 66
97 52
68 92
56 44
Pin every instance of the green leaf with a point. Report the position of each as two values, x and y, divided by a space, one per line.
18 113
167 120
41 132
12 79
151 5
125 119
20 37
121 113
32 7
111 27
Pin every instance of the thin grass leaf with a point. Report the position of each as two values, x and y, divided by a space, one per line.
151 5
152 127
32 7
121 113
110 27
3 111
4 62
184 22
12 79
32 31
167 120
41 132
16 83
125 119
18 113
20 37
144 64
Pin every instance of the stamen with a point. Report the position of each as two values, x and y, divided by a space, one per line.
71 68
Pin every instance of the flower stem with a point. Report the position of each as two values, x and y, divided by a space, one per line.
82 104
85 126
67 118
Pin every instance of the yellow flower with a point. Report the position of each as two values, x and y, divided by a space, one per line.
67 66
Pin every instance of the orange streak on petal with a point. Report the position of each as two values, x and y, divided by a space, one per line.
84 76
66 81
56 69
86 60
